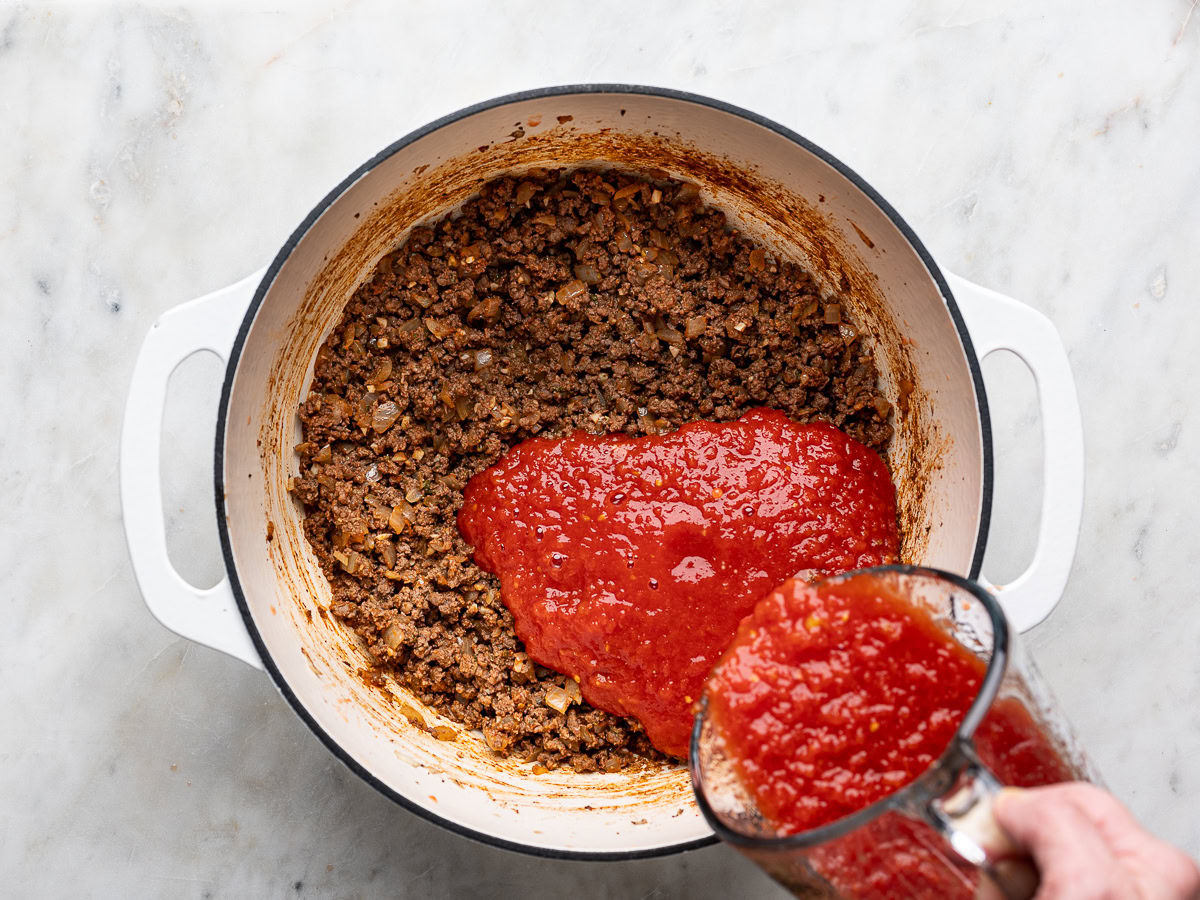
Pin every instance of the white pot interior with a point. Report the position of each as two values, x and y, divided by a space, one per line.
784 194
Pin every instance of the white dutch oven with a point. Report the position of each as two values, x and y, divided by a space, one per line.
270 612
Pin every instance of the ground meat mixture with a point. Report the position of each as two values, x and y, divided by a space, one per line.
552 302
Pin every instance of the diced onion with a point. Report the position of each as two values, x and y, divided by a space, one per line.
488 308
409 713
566 361
628 191
495 739
587 274
525 192
804 311
402 514
382 372
695 326
833 314
522 667
573 691
558 699
379 510
572 290
643 271
384 416
666 333
366 405
339 407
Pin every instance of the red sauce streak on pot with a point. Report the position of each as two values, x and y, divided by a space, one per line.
628 563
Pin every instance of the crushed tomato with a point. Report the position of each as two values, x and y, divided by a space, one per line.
832 697
629 562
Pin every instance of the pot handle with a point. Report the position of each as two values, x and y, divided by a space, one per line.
209 617
997 322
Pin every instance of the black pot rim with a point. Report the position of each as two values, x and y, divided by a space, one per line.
295 238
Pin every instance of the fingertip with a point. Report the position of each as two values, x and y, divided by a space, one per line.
1039 820
1007 800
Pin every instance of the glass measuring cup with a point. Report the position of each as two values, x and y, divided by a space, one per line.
936 837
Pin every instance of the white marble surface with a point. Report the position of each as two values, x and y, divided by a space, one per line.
151 154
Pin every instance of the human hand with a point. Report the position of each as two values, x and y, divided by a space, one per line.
1087 846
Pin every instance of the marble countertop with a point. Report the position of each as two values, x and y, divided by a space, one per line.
152 154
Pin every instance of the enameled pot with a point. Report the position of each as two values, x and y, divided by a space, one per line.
931 330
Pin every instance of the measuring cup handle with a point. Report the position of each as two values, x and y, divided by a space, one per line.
964 816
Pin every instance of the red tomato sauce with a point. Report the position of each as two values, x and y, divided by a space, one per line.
628 563
833 696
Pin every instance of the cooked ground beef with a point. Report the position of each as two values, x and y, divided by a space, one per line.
552 302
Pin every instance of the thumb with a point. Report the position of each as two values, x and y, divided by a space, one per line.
1066 846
